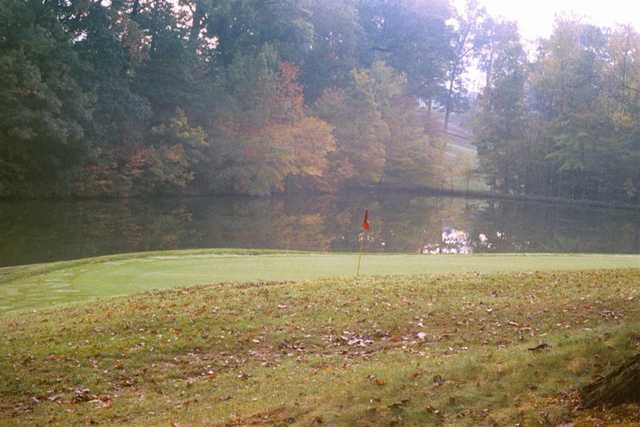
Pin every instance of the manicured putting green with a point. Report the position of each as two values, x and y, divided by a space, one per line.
46 285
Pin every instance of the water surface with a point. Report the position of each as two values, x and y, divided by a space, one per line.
32 232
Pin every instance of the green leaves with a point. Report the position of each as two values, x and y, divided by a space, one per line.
560 125
44 109
255 97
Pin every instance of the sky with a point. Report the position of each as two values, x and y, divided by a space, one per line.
535 17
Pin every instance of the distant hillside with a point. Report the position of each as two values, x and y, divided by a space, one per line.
462 155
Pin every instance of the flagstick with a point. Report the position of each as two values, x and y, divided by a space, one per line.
366 229
360 257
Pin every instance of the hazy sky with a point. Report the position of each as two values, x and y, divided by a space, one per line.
535 17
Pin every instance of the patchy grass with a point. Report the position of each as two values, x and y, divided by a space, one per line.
45 285
407 350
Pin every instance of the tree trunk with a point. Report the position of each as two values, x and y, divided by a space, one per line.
619 387
449 102
136 9
197 24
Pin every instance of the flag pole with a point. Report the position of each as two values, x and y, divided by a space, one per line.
360 256
365 227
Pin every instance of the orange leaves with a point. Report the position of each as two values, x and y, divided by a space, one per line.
375 380
312 141
360 131
288 101
139 160
164 163
263 154
301 147
175 153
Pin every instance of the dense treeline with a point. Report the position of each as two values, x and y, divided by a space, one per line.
143 97
564 122
131 97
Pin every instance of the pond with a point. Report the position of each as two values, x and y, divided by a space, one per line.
33 232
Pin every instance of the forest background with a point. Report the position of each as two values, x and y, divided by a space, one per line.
153 97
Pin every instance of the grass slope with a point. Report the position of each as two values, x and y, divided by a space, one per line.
41 286
394 350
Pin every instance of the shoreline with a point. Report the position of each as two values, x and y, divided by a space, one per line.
489 195
378 189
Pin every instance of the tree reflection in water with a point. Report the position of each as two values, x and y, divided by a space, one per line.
48 231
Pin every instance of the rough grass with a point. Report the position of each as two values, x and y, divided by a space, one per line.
393 350
45 285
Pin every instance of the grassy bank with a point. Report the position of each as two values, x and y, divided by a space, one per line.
46 285
395 350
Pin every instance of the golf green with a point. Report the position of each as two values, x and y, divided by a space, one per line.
45 285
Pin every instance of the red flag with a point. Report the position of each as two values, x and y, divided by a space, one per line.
365 221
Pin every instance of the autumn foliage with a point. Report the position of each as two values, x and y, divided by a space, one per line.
130 98
278 144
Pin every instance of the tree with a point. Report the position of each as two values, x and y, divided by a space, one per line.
246 26
618 387
501 123
359 129
305 94
563 125
111 47
336 47
412 37
44 110
622 83
469 37
266 137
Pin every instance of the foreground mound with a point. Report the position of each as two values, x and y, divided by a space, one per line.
409 350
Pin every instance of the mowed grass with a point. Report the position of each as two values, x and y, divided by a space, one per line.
393 350
46 285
